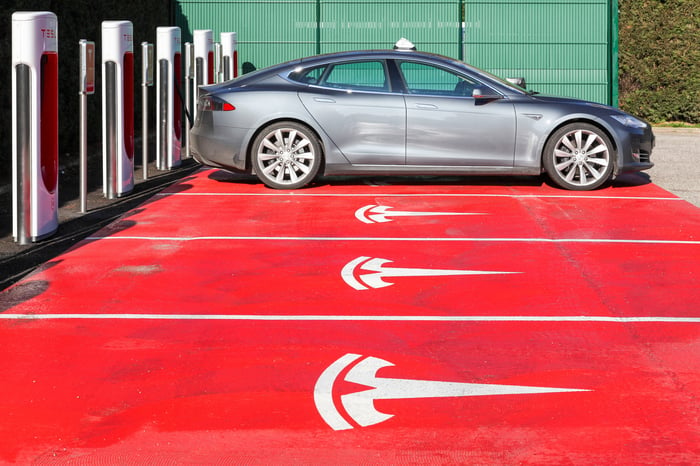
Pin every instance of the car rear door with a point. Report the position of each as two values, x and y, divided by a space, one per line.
447 126
353 103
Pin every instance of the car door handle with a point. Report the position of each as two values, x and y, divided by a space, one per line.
427 106
325 100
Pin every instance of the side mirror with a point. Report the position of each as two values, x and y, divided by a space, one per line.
485 94
517 81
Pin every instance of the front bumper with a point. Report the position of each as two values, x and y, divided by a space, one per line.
636 149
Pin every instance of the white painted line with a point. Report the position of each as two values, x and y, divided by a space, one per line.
353 318
370 238
457 195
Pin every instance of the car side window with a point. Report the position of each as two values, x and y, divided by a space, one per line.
361 75
309 75
422 79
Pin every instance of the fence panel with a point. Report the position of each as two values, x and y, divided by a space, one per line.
562 47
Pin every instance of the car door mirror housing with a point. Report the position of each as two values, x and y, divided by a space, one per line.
520 82
481 93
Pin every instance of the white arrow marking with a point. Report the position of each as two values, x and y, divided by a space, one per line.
323 393
380 214
377 273
360 405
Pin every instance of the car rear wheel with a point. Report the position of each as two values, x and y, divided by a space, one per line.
287 155
579 157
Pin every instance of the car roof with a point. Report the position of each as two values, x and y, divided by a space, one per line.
396 54
359 54
336 56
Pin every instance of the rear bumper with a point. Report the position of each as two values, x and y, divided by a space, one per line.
218 146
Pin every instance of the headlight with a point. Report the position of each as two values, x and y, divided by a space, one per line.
630 121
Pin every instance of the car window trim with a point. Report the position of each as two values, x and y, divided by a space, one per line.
330 65
407 92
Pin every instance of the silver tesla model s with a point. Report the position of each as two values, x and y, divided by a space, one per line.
403 112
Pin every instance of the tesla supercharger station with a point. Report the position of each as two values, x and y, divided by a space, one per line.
117 108
229 44
203 63
168 101
189 76
34 125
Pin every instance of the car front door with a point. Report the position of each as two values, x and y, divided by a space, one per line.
447 126
354 105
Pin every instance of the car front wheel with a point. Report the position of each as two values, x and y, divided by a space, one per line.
579 157
286 155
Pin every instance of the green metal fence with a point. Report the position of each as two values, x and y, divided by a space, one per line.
562 47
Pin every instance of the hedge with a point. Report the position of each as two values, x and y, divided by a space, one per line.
659 56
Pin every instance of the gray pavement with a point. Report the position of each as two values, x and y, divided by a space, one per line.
676 160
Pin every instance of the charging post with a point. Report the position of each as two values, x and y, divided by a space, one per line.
229 45
203 63
146 82
117 108
168 101
189 77
218 67
34 125
86 86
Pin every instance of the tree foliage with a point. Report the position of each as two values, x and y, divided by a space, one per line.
659 55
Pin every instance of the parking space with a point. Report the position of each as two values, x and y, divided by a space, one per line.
358 322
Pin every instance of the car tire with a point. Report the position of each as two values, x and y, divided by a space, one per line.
286 155
579 157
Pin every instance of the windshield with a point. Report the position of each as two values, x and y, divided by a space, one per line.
491 76
504 82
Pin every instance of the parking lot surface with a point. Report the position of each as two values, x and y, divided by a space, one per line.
434 320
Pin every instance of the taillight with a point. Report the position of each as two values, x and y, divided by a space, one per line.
214 104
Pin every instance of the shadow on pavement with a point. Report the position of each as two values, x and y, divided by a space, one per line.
16 261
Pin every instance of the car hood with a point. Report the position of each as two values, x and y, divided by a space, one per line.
570 101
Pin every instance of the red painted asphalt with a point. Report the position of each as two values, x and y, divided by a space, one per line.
225 322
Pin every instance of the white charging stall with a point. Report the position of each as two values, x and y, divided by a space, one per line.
117 108
229 46
203 62
168 101
189 77
34 125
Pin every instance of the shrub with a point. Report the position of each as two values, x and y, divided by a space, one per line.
660 59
